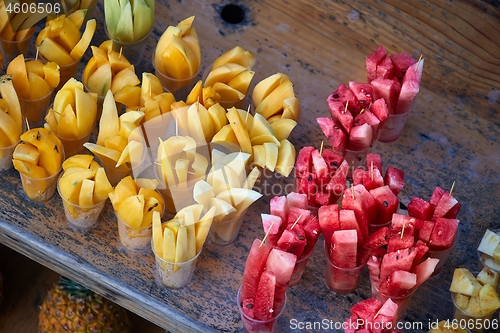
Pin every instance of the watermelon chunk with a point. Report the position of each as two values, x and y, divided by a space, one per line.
366 117
337 184
328 218
333 160
312 229
335 135
421 209
388 90
264 299
360 137
323 198
273 223
381 110
278 207
358 176
373 60
398 242
339 115
453 212
395 179
366 308
409 87
436 195
363 93
426 231
348 221
389 309
394 261
343 251
443 234
363 205
421 248
298 215
400 222
373 265
402 61
387 203
294 199
399 283
293 240
247 305
424 270
372 179
445 204
375 160
378 239
345 96
281 263
254 266
320 168
385 70
303 164
307 185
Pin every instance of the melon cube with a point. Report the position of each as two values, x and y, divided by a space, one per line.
366 308
278 207
339 115
443 234
294 199
303 165
335 135
281 263
373 60
395 179
360 137
420 209
343 251
387 203
328 217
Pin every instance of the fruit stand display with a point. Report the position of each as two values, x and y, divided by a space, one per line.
451 137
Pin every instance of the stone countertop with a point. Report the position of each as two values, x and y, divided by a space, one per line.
452 135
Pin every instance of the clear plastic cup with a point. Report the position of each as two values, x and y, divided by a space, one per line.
225 232
356 159
402 301
174 275
39 189
13 48
442 255
179 87
251 325
487 260
79 217
177 197
341 280
474 323
299 269
393 127
134 240
66 72
6 157
133 51
74 146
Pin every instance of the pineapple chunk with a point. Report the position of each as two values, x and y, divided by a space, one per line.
462 301
489 242
487 276
491 262
488 299
464 282
496 254
474 306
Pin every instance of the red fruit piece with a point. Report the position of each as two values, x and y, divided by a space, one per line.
264 299
363 93
293 240
425 270
323 198
254 266
360 137
343 251
281 263
378 239
436 195
375 161
425 233
328 218
345 96
388 90
297 215
337 184
373 60
294 199
387 203
445 204
372 179
420 209
363 205
394 261
308 186
247 306
380 109
402 61
395 179
385 70
398 283
320 168
443 234
398 242
348 221
373 265
278 207
367 117
366 308
335 135
333 160
340 115
421 249
312 230
303 165
409 87
271 225
358 176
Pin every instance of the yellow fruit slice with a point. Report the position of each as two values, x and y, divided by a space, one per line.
125 77
71 181
80 48
69 35
239 130
51 74
40 87
86 112
86 197
17 68
49 146
131 211
102 186
53 51
78 160
27 153
124 189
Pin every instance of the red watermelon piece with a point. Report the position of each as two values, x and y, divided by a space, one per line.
312 229
323 198
340 115
335 135
372 179
421 209
400 242
333 160
307 185
348 221
388 90
360 137
400 222
373 61
387 203
298 215
398 284
293 240
299 200
436 195
343 251
373 265
278 207
366 308
363 92
385 70
453 212
395 179
271 225
247 305
395 261
426 231
381 110
320 168
378 239
409 87
303 164
264 299
443 234
281 263
345 96
366 117
402 61
375 160
421 248
363 205
424 270
337 184
254 266
328 218
445 204
357 176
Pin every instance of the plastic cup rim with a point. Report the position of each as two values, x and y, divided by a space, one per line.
467 313
359 267
238 303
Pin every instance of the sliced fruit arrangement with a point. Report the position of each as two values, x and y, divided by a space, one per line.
119 142
355 117
74 111
17 25
372 315
129 21
61 41
229 189
32 78
265 279
395 78
83 182
38 156
11 122
274 98
108 69
182 238
134 202
230 76
177 54
475 294
489 249
291 226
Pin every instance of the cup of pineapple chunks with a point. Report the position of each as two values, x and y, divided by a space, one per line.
224 232
12 48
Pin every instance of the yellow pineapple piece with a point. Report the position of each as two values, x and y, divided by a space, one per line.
26 152
102 187
474 306
464 282
487 276
462 301
131 211
488 299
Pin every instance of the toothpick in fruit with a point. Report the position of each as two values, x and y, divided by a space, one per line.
248 112
403 229
345 110
452 186
267 233
321 149
418 62
296 222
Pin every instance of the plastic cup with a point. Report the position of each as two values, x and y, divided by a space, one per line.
179 87
392 127
341 280
177 197
402 301
299 268
225 232
442 255
474 323
74 146
227 104
11 49
134 240
356 159
66 72
39 189
133 51
6 157
78 217
174 275
251 325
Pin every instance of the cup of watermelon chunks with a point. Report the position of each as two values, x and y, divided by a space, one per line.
372 315
262 296
395 78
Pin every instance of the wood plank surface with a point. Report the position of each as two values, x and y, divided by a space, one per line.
451 135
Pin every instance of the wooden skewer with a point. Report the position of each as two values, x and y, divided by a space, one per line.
345 110
362 110
371 169
27 123
376 314
321 149
296 222
248 111
120 55
452 186
402 230
176 127
418 62
267 233
36 55
352 191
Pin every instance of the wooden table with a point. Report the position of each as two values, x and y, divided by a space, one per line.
452 135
